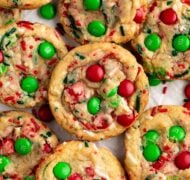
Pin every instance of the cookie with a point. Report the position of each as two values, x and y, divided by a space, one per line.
164 41
80 160
24 142
106 21
158 146
97 91
23 4
28 53
8 16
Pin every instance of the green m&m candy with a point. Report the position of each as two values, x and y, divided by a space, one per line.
152 42
151 152
23 146
29 84
96 28
4 161
93 105
151 136
176 133
46 50
48 11
181 43
153 80
62 170
92 5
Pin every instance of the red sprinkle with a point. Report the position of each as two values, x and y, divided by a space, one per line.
187 105
1 57
152 7
37 127
23 45
154 111
164 91
90 171
26 24
52 62
140 15
47 148
75 176
21 67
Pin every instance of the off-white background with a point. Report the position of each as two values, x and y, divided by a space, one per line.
174 95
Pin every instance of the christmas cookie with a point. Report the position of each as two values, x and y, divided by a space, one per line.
24 142
107 20
97 91
158 147
77 160
8 16
23 4
28 53
164 42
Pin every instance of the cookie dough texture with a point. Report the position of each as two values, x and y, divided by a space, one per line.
17 124
165 62
70 90
23 4
19 48
8 16
86 160
159 118
117 16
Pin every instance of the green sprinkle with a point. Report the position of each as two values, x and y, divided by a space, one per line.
80 56
138 100
86 144
174 53
9 21
169 2
139 48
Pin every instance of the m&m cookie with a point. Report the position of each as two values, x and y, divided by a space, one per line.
77 160
158 147
24 142
8 16
164 42
102 20
28 53
97 91
23 4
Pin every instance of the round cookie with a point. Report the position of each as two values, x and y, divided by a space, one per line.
80 160
24 142
8 16
157 146
23 4
107 20
164 41
97 91
28 53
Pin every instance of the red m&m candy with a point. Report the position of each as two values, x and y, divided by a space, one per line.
139 17
44 113
168 16
126 119
126 88
186 2
182 160
187 91
95 73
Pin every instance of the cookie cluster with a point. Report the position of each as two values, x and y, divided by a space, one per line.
95 91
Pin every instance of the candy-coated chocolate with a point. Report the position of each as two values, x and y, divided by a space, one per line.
176 133
46 50
187 105
23 146
48 11
4 161
95 73
181 43
182 160
187 91
151 152
152 42
139 17
29 84
62 170
168 16
93 105
126 88
96 28
1 56
126 119
44 113
151 136
90 5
